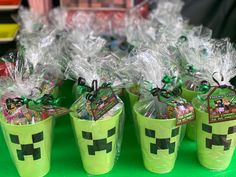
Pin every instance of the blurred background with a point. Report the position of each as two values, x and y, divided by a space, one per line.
218 15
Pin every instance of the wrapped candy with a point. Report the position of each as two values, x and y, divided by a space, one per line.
44 48
160 111
140 31
31 22
83 49
85 67
197 47
39 63
215 109
168 12
99 115
118 45
29 86
97 112
154 32
207 63
28 107
104 55
154 66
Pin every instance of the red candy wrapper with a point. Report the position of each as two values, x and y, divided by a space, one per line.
3 68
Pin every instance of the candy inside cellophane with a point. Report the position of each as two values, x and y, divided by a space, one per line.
31 80
218 69
196 46
160 85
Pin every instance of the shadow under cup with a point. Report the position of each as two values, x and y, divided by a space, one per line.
215 141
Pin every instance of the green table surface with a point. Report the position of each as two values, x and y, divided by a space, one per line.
66 160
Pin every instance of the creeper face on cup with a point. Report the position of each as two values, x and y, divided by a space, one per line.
162 143
97 142
96 145
214 139
31 149
159 140
30 146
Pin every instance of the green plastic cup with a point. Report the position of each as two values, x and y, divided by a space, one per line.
159 139
191 127
189 94
183 132
30 146
215 142
132 99
97 142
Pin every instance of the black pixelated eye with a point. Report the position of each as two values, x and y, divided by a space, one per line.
175 132
111 132
150 133
232 130
87 135
37 137
14 139
207 128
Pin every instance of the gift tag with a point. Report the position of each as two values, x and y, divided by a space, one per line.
104 101
221 104
177 107
182 110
